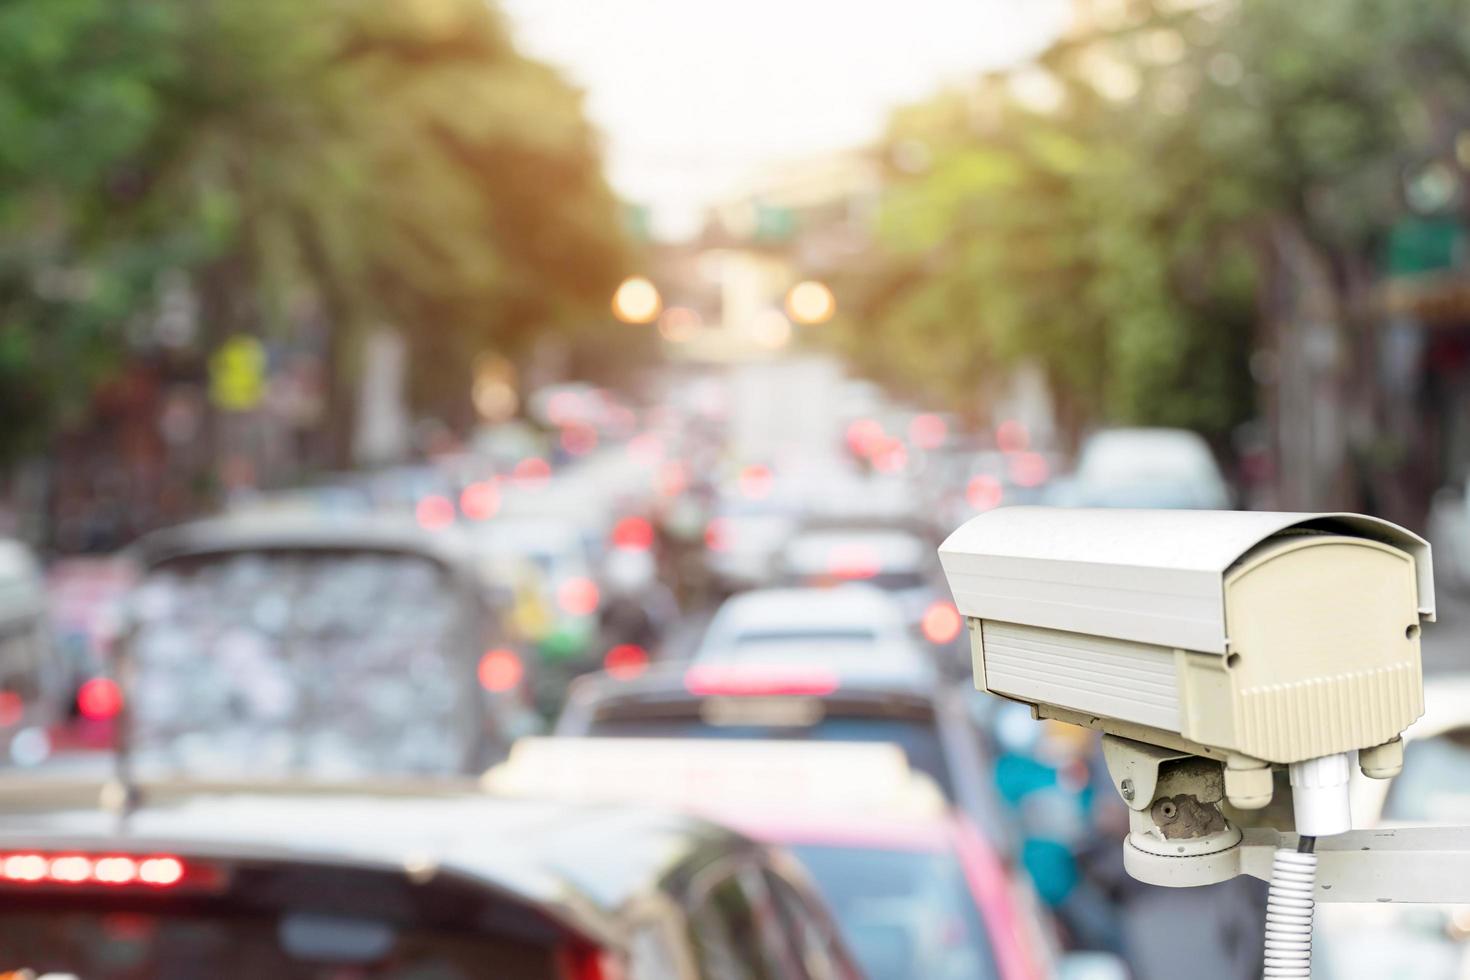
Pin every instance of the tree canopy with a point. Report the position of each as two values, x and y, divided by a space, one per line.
1117 211
369 161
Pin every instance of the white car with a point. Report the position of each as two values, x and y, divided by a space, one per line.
1449 531
1170 468
902 564
854 625
1422 942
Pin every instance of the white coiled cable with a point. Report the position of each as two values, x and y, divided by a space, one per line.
1289 912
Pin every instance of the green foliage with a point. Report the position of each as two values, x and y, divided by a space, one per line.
377 161
1125 241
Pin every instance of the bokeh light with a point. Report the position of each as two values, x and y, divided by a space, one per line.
637 300
810 302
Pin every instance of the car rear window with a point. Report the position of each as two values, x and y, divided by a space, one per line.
917 737
903 913
294 662
112 941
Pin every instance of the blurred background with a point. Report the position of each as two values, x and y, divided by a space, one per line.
383 381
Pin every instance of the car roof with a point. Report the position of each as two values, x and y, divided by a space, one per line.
847 605
666 683
572 858
297 532
817 550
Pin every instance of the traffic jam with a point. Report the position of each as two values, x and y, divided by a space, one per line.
623 690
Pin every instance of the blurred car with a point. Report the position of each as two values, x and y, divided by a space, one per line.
395 882
346 648
852 625
33 677
917 892
887 703
742 538
1427 942
1448 528
964 480
561 568
898 561
1145 468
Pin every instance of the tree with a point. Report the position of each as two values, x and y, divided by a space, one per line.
372 162
1126 210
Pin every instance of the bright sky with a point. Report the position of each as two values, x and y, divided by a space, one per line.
691 95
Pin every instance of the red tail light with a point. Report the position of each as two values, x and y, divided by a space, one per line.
853 561
153 871
480 501
625 661
984 492
434 513
589 963
1011 436
99 699
755 482
941 623
716 679
578 439
928 431
1029 469
578 597
717 535
533 469
12 709
863 436
501 670
633 532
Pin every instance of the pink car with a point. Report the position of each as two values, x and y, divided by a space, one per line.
924 897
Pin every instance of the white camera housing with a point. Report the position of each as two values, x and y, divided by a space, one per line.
1252 638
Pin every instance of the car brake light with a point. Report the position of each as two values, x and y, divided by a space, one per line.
532 469
589 963
99 699
1029 469
718 679
501 670
941 623
434 513
928 431
755 482
984 492
578 597
12 709
853 561
717 535
480 500
157 871
634 533
625 661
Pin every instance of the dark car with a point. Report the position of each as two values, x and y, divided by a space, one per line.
338 648
801 701
393 881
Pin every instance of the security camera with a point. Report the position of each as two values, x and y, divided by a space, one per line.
1212 648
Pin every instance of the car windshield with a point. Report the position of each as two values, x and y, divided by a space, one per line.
1435 784
108 942
904 913
788 719
336 663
